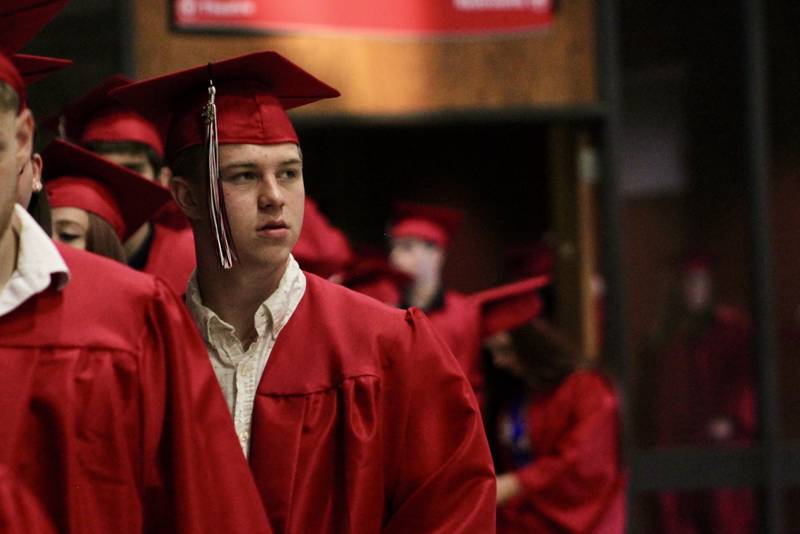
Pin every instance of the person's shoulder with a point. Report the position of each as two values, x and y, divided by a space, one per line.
592 387
104 277
350 305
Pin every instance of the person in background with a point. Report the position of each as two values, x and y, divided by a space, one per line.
701 352
109 415
95 204
343 432
558 437
163 244
322 248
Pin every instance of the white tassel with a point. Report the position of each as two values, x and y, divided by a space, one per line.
216 199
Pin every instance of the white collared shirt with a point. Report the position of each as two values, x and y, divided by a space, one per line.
238 370
39 265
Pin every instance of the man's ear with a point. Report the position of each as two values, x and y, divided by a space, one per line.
24 136
188 197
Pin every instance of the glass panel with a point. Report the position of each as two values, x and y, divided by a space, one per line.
718 511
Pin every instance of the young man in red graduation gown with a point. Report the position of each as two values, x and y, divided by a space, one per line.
111 421
164 245
355 417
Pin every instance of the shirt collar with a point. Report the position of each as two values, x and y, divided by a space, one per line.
38 256
272 314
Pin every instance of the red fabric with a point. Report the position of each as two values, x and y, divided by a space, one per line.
131 199
253 92
509 306
368 425
22 20
122 125
121 426
459 323
88 195
20 512
706 374
375 277
322 248
171 256
422 229
575 482
436 224
36 68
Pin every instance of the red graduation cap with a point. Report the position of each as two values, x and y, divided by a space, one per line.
435 224
21 20
322 248
376 278
10 75
78 178
253 92
509 306
98 117
242 100
36 68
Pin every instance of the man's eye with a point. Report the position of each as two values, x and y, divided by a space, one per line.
242 177
289 174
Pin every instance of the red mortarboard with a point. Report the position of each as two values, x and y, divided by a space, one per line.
322 248
98 117
78 178
36 68
253 93
21 20
10 75
436 224
376 278
242 100
509 306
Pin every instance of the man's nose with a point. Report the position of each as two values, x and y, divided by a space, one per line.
270 193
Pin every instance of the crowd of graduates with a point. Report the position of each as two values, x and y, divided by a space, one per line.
187 344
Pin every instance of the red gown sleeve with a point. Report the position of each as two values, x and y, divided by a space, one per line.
573 485
445 478
195 477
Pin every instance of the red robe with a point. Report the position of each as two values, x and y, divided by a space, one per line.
705 376
363 422
575 482
459 322
111 414
171 255
20 512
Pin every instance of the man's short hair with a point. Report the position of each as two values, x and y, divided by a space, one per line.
127 147
189 164
9 100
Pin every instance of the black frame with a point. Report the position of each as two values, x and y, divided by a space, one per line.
773 464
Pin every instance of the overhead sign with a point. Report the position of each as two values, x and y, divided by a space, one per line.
412 17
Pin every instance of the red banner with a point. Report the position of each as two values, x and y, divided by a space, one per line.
414 17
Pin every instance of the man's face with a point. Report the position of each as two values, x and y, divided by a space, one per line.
697 288
504 356
16 135
264 196
417 258
137 162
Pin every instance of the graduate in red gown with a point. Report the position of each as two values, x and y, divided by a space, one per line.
163 245
356 418
705 396
558 437
96 205
112 419
420 235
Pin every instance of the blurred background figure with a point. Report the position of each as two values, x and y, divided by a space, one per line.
704 395
322 248
557 437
